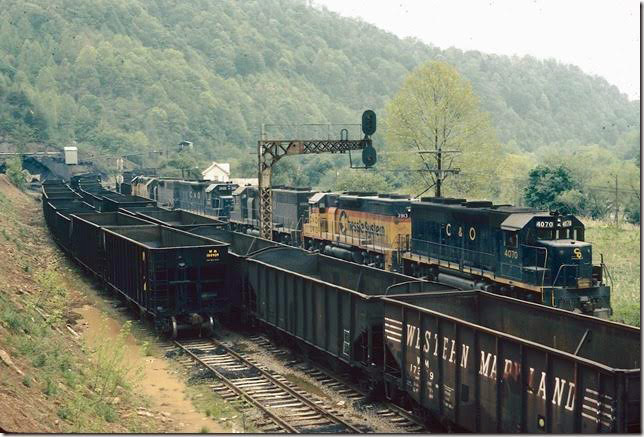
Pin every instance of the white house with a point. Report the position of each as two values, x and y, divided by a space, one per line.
219 172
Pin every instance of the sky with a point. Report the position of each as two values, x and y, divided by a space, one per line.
602 37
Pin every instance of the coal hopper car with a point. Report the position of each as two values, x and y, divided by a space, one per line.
115 201
489 363
328 306
179 219
87 237
176 277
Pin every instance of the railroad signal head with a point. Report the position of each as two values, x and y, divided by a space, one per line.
368 122
369 156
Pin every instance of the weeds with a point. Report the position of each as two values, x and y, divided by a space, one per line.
620 247
14 172
26 381
50 387
110 370
146 348
82 392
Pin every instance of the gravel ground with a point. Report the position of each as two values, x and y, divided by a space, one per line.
359 414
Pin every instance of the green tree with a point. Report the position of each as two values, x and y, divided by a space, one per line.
512 177
436 109
182 163
551 188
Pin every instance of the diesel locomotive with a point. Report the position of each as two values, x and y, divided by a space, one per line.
534 255
538 256
202 196
366 228
290 208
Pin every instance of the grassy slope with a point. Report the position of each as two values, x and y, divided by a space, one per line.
55 386
621 250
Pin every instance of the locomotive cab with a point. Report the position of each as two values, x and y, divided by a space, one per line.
552 254
570 263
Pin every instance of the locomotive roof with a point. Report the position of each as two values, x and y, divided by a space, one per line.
218 184
243 188
508 217
477 205
317 197
515 222
288 188
387 198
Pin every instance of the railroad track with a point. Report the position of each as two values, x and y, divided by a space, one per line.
399 418
285 407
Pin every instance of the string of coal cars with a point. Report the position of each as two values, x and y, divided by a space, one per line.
474 360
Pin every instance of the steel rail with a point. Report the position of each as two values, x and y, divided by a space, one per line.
401 412
238 390
288 389
300 398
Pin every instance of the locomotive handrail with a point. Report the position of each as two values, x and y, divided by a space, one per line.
488 257
545 264
561 267
605 268
424 281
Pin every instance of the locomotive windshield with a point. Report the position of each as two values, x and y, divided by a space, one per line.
545 234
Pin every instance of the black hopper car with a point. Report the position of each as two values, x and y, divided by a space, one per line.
473 360
178 279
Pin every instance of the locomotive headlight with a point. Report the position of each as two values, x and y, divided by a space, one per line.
583 283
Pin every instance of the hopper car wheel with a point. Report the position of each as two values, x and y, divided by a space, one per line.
208 327
175 330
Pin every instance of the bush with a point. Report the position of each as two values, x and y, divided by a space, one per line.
633 214
14 172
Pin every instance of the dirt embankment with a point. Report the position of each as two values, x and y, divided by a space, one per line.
68 360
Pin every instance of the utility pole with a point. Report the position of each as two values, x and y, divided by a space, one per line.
439 173
616 203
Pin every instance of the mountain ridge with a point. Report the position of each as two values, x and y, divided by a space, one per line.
123 75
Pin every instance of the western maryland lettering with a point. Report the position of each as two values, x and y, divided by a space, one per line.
432 348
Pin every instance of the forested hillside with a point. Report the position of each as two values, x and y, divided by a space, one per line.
124 75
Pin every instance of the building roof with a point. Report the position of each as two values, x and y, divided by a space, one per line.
224 167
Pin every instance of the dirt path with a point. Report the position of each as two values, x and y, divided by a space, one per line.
166 391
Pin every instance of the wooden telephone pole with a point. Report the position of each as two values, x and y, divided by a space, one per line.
439 173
